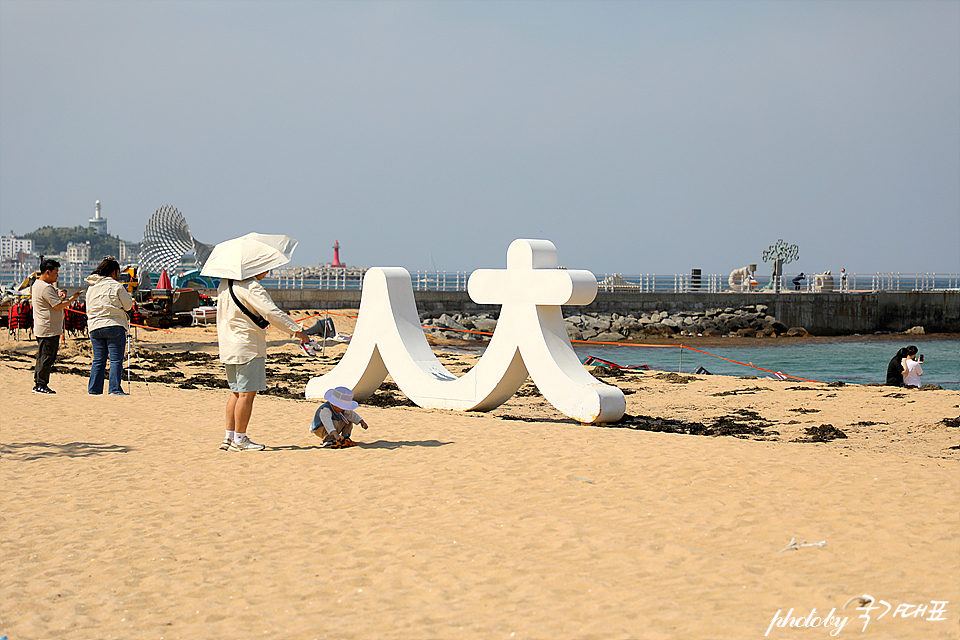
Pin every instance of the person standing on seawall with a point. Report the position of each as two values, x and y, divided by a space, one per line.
108 324
48 305
244 310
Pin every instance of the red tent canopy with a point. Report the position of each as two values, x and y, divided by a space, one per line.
164 281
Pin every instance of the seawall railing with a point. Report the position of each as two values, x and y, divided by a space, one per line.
667 283
73 276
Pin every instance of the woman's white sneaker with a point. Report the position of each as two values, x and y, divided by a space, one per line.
246 444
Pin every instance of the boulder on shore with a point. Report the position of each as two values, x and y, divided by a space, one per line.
749 321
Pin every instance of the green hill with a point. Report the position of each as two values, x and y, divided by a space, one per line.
50 240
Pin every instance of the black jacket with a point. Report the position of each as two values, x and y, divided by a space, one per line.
895 372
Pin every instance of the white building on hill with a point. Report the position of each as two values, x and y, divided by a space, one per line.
78 251
11 246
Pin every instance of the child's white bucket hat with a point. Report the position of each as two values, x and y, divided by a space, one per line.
342 397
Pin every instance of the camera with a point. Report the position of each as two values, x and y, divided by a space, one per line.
920 358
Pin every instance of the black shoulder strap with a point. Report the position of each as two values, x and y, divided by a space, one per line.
263 323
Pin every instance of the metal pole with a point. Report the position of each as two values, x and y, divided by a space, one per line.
129 353
323 347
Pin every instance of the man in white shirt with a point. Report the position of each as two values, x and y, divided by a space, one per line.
244 309
48 305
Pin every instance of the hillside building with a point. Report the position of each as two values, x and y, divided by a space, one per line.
78 251
14 248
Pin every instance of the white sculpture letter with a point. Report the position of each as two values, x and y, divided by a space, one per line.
530 337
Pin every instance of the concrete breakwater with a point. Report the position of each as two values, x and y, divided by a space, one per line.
822 314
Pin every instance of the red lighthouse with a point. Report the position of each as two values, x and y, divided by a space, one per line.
336 255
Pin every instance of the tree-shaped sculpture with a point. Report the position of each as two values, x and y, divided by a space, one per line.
780 254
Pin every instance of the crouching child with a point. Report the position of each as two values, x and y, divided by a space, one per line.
333 422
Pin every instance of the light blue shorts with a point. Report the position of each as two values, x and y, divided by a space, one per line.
249 376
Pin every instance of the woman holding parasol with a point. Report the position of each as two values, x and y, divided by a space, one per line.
244 310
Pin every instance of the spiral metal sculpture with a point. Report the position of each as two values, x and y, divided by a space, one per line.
167 239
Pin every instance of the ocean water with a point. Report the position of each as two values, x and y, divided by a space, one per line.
850 362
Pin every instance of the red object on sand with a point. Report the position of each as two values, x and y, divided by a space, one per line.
164 281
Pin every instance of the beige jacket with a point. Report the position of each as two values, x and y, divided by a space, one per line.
107 303
240 339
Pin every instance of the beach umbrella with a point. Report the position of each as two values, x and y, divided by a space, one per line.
249 255
164 281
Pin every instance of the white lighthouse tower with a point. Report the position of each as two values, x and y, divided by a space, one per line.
97 223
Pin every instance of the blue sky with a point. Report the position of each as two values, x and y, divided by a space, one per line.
640 137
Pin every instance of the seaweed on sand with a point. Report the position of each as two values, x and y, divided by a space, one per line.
823 433
742 423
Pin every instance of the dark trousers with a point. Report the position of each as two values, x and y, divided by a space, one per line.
46 356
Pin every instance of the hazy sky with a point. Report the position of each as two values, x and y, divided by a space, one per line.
640 137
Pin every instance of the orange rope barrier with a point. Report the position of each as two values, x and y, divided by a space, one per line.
184 330
141 326
751 365
652 346
487 333
326 313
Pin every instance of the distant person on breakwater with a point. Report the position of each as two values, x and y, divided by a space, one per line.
911 368
796 281
843 280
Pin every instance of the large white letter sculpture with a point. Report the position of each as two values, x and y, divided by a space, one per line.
530 337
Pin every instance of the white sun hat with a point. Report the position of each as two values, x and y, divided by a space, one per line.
249 255
342 397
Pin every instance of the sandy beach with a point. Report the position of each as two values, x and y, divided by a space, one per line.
120 518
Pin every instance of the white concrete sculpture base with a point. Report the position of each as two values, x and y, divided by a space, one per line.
530 338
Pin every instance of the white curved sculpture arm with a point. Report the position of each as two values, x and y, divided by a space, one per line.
530 337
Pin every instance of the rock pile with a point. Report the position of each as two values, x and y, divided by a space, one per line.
750 321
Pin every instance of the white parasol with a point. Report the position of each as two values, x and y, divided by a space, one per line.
249 255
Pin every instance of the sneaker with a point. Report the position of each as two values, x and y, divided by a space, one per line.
246 445
120 393
226 444
309 349
46 390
